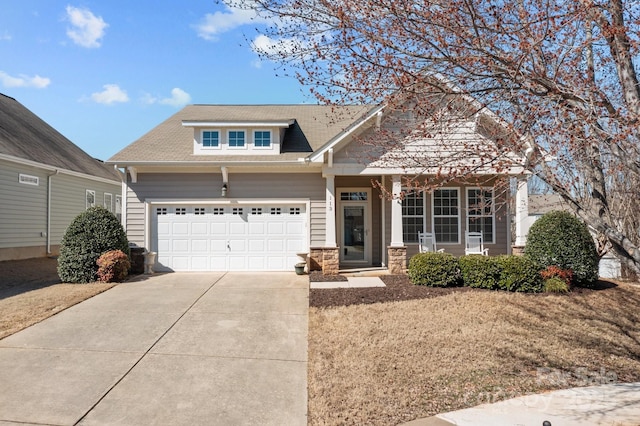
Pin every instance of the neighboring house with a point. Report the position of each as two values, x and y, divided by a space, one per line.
250 187
45 182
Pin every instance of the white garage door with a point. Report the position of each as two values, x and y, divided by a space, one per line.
228 238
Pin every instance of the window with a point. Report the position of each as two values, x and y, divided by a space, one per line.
28 179
353 196
180 211
262 138
237 211
199 211
118 204
236 138
276 210
161 211
90 198
218 211
294 210
412 216
256 210
108 201
210 138
446 215
481 212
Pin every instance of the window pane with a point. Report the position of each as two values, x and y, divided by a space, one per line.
262 138
236 138
445 216
412 216
210 138
480 212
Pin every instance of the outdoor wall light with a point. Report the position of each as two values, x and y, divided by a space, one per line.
224 190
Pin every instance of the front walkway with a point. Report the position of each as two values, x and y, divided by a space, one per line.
179 349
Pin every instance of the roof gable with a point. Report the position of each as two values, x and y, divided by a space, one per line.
26 136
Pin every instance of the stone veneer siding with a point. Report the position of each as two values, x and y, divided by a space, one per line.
397 260
325 259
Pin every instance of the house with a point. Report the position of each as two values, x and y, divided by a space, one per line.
258 187
45 182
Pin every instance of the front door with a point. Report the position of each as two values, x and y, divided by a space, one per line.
355 245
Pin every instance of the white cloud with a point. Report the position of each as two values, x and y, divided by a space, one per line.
111 94
265 45
214 24
86 29
24 81
178 98
6 36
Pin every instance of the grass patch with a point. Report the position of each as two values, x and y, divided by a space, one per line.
388 363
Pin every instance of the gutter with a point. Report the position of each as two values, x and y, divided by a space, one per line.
49 190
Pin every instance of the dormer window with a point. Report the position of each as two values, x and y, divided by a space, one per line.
210 139
236 138
262 139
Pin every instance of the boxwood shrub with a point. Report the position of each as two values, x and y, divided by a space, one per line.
434 269
92 233
560 239
518 273
479 271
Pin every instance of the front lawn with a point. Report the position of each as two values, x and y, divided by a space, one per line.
388 363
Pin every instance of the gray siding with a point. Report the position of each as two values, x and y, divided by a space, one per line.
23 208
207 187
68 200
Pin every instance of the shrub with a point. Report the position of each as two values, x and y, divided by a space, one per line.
479 271
553 271
560 239
518 273
434 269
113 266
92 233
555 285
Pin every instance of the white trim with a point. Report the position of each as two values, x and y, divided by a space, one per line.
28 179
280 124
86 199
25 162
110 206
493 211
367 222
433 218
245 143
262 148
210 148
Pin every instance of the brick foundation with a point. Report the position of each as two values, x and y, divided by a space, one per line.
397 260
325 259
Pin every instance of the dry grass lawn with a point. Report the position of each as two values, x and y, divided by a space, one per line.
30 307
388 363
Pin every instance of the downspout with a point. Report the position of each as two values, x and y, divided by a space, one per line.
49 189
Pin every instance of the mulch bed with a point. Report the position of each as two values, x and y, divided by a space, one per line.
398 287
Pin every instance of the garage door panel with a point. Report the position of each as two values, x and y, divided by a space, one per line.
201 238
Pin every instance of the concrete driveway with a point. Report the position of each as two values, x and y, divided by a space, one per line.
172 349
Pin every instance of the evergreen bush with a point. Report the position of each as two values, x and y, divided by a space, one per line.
434 269
479 271
560 239
92 233
518 273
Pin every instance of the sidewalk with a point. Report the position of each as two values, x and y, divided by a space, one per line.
606 405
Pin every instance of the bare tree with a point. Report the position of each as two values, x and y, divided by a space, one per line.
561 73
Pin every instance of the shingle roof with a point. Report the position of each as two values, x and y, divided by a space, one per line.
170 141
25 135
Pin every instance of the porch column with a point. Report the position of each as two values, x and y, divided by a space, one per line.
396 213
330 212
522 211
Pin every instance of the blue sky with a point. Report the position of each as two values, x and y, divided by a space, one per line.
103 73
